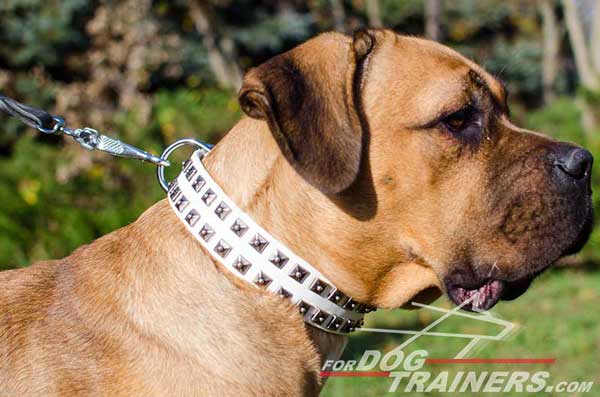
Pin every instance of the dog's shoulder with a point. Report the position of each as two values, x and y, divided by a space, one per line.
26 296
24 292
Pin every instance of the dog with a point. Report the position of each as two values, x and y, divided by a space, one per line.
388 162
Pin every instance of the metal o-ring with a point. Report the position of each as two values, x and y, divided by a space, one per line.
160 169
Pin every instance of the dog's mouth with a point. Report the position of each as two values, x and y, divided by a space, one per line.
477 299
486 295
478 296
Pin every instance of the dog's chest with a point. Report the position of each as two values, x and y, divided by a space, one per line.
259 368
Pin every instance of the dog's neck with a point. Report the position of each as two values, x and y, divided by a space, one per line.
251 170
341 242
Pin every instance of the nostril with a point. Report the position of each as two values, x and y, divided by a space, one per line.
575 162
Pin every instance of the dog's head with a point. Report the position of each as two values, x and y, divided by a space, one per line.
415 142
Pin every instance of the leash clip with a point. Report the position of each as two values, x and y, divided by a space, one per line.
59 124
91 139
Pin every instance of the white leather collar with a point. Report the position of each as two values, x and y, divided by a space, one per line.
254 255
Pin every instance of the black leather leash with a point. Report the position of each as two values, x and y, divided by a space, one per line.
87 137
35 118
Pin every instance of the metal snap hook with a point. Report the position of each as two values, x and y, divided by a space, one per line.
160 169
56 129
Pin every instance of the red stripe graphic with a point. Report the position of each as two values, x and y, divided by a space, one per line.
331 374
490 360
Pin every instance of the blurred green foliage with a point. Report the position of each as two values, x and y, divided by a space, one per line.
177 112
38 32
50 206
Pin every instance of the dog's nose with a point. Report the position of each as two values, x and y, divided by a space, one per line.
574 162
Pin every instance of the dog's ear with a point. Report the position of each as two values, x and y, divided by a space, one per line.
310 98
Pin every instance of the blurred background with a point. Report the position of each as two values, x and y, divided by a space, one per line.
151 72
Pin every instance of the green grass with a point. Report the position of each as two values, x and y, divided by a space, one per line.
557 318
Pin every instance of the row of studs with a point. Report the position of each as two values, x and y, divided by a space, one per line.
310 313
258 242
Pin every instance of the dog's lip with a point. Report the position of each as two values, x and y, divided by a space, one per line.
479 298
584 234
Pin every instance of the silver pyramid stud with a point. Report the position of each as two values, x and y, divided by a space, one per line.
335 323
181 203
320 287
303 307
337 297
299 274
366 309
262 280
350 304
192 217
174 194
208 197
348 326
222 248
198 183
190 172
278 259
241 265
174 190
320 316
206 232
239 228
284 293
258 242
222 210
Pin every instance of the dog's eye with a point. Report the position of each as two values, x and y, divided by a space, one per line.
466 124
459 120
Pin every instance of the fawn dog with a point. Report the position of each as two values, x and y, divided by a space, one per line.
388 162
